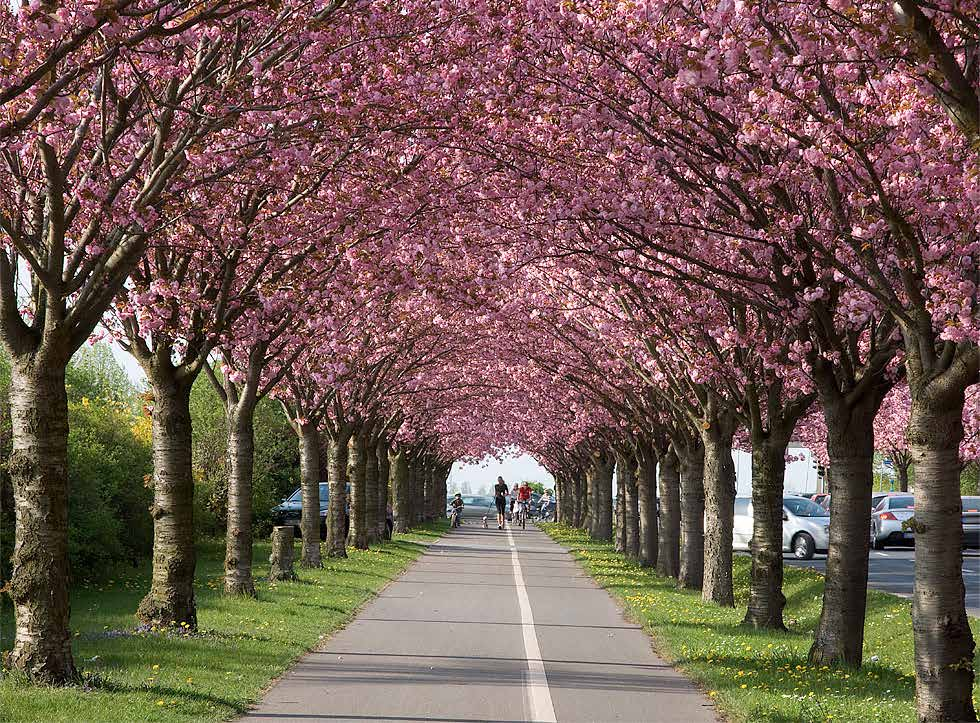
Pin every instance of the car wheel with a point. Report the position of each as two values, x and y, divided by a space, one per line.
803 546
876 544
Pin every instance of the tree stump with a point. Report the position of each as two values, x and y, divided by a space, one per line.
281 559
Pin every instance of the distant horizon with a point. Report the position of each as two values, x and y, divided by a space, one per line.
481 476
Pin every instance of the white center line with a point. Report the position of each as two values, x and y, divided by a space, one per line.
538 692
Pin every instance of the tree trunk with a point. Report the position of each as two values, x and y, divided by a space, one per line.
602 497
631 508
428 489
309 466
442 491
691 573
401 506
171 597
944 646
668 556
903 461
336 506
619 509
238 538
38 468
281 560
414 508
588 505
719 504
766 599
371 491
384 477
358 498
646 493
839 637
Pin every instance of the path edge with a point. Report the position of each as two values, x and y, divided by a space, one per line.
323 640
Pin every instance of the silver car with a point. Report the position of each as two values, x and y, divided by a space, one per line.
806 526
889 521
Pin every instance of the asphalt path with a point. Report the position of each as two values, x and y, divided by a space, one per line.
893 570
487 626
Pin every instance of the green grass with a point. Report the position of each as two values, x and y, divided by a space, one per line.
764 676
215 674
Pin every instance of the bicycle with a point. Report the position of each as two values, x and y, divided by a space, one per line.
521 513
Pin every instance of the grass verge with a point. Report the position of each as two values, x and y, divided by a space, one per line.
217 673
759 675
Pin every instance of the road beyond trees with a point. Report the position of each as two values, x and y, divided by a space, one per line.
487 626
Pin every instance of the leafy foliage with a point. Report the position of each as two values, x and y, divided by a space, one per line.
276 472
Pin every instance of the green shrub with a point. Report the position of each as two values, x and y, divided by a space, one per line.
109 461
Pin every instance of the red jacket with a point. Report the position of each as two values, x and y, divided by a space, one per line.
523 493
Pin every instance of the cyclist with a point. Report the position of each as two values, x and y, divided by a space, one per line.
500 499
513 499
523 498
544 505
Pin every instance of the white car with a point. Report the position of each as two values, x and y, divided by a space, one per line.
888 521
806 526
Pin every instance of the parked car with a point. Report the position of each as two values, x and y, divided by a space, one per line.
822 499
971 521
806 526
888 521
290 511
877 497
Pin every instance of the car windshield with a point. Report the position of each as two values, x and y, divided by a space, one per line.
297 496
475 501
804 508
971 504
900 503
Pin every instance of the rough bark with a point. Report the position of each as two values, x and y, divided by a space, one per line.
903 463
581 490
600 507
170 600
336 507
839 637
39 471
358 498
944 645
719 504
631 507
428 489
619 509
384 478
668 556
691 573
903 477
646 492
309 466
281 559
238 537
371 491
401 503
414 506
766 599
588 504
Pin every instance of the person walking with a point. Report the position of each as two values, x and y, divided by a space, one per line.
500 498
